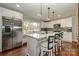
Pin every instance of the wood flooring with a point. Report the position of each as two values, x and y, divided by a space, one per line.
68 49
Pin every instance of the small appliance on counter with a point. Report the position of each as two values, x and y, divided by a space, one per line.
57 27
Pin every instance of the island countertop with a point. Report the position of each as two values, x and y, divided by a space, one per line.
36 35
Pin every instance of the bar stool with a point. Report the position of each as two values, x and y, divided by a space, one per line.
58 40
61 36
47 46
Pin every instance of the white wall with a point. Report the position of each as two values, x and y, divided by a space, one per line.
0 32
75 28
75 25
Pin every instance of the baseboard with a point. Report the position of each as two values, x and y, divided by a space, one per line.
75 41
12 49
0 50
66 42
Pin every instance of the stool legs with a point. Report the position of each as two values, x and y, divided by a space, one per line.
41 53
49 53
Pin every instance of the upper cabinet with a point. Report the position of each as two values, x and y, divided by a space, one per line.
11 13
66 22
18 15
0 12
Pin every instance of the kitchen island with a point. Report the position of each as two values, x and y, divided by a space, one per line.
33 43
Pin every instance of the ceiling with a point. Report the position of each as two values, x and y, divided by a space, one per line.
30 10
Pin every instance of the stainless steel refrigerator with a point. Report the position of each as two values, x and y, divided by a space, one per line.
11 33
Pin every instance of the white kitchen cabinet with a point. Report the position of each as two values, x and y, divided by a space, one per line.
67 36
66 22
33 43
17 15
7 12
11 13
44 24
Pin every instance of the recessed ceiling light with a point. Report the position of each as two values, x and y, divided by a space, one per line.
18 5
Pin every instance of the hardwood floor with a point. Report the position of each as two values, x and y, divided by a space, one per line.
68 49
20 51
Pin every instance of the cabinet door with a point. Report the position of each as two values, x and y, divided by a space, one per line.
10 13
18 15
7 12
44 24
67 36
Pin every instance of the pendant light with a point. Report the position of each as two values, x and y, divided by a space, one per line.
53 14
41 9
48 18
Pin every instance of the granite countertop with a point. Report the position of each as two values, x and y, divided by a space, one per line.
38 36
